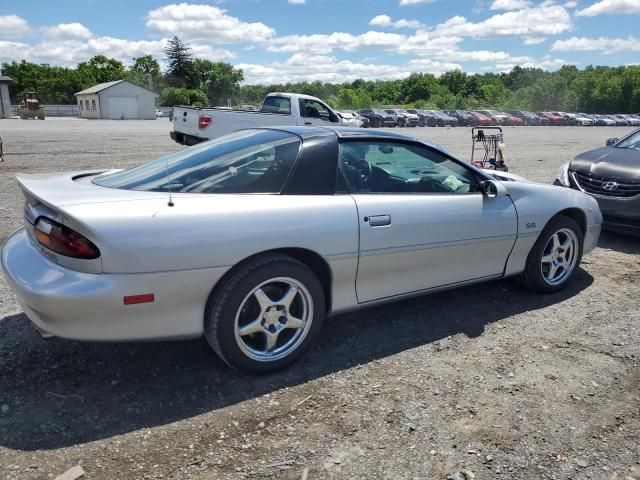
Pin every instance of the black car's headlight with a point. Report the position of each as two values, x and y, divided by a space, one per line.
563 175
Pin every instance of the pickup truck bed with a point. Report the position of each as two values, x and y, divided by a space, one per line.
193 125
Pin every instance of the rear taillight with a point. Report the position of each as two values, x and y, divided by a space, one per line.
204 121
63 240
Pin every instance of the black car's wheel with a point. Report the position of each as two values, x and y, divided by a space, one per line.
265 314
554 257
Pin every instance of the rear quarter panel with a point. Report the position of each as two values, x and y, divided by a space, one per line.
208 231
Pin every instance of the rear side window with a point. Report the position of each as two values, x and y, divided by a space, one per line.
277 105
249 161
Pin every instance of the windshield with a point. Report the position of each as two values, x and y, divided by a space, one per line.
249 161
632 141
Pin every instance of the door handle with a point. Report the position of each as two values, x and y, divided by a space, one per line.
379 220
308 123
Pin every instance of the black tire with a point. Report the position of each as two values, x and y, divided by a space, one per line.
532 278
226 299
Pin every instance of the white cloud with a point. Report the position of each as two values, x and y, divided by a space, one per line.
13 26
610 7
8 50
326 43
603 44
298 2
570 4
545 63
509 4
205 22
404 3
385 21
531 22
534 40
73 43
67 30
328 69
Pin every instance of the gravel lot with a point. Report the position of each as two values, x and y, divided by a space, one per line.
489 379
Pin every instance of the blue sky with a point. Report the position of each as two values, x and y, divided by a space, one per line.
330 40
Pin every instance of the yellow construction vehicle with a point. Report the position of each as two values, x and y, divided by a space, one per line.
30 107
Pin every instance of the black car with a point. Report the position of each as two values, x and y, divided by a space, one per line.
444 120
528 118
610 174
378 118
464 118
427 118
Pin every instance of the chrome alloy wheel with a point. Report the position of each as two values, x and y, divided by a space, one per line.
273 319
559 256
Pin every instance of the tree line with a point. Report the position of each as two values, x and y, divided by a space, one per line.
195 81
569 89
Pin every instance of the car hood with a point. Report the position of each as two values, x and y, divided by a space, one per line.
609 162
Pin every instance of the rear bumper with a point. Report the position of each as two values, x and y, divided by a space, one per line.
184 139
86 306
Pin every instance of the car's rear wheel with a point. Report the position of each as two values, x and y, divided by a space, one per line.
554 257
265 314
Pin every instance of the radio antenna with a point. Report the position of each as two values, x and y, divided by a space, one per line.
166 168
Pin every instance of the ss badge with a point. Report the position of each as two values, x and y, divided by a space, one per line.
531 225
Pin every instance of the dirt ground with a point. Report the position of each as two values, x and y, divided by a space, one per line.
485 382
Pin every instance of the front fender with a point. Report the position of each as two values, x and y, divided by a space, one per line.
536 204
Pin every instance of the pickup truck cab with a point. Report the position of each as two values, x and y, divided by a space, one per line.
193 125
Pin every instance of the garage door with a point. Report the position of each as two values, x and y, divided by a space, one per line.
123 105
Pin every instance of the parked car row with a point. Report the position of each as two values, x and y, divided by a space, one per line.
413 117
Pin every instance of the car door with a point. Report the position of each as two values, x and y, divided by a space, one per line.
314 112
423 220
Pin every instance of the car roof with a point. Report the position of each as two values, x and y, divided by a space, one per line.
350 133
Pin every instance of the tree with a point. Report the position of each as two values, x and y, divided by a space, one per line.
454 81
145 72
179 62
101 69
219 80
171 96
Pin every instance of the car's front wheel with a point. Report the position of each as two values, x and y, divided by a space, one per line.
265 314
554 257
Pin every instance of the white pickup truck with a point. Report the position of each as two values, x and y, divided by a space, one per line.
193 125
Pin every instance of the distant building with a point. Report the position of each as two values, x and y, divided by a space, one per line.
5 102
115 100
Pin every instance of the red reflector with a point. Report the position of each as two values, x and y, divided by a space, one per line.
144 298
204 121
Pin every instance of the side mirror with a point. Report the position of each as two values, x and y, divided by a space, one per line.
333 117
611 141
493 188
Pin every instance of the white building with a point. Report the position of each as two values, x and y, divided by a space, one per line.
116 100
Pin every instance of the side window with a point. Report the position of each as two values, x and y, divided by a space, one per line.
387 167
93 105
314 109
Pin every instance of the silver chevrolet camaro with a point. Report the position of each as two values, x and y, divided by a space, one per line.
253 238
